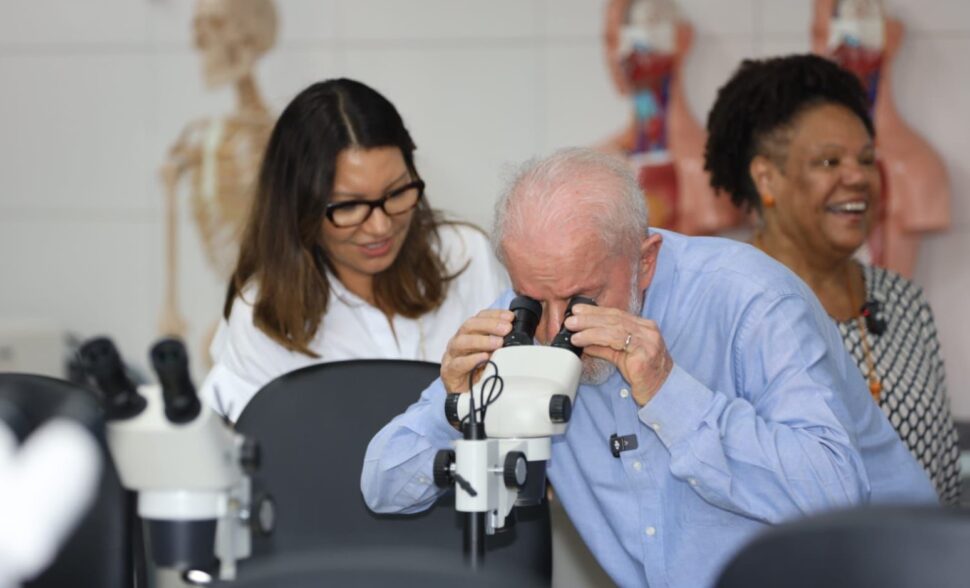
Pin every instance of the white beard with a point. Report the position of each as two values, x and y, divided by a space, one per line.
597 371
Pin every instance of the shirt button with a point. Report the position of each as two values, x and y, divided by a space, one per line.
655 426
624 393
651 531
637 466
692 481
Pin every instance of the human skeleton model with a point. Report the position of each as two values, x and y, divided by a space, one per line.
915 192
219 158
646 45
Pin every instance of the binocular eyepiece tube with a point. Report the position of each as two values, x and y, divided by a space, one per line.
563 338
171 364
101 361
527 313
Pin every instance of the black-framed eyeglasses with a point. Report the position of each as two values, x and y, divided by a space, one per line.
351 213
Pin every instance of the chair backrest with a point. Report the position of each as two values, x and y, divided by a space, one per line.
100 552
901 547
313 426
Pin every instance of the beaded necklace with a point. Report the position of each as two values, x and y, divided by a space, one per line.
875 386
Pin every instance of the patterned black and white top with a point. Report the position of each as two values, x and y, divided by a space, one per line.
910 369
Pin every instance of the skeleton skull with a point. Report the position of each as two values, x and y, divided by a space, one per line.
232 35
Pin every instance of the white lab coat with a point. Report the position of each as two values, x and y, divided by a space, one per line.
246 359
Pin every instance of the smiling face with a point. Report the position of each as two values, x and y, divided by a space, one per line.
826 189
359 253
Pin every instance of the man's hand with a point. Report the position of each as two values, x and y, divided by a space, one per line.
632 343
474 343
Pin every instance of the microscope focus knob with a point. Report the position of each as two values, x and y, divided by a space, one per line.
515 470
560 408
263 515
443 463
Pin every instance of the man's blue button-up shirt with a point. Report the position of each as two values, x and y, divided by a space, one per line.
764 417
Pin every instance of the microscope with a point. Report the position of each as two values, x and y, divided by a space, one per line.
523 398
188 466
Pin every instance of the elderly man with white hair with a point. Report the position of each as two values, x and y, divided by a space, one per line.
722 364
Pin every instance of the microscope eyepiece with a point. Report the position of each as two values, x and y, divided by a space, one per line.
564 337
101 361
171 364
527 314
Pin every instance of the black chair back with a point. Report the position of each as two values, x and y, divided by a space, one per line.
100 552
901 547
313 426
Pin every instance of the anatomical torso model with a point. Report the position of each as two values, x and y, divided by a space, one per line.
646 45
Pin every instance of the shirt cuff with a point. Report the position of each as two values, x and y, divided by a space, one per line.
678 408
441 427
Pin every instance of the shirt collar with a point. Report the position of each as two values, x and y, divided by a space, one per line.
658 293
339 291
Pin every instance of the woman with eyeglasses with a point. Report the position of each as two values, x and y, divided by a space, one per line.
343 257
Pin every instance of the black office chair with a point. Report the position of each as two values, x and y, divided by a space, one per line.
313 427
100 552
885 547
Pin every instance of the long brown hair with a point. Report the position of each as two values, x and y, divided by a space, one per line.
281 248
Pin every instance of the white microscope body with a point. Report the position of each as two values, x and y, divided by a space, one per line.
523 398
187 476
539 388
188 466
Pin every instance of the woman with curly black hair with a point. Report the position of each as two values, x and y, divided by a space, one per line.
790 138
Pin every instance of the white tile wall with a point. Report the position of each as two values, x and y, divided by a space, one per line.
572 18
429 20
91 275
62 22
94 92
946 281
289 69
74 131
932 16
469 111
169 23
736 17
709 64
783 17
309 21
579 118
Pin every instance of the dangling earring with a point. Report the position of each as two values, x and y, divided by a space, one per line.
767 201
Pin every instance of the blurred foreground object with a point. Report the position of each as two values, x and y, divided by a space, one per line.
888 547
50 468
